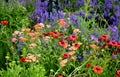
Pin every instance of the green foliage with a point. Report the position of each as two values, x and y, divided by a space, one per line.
17 16
15 70
15 13
50 60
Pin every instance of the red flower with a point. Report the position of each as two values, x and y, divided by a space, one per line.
115 52
47 33
4 22
65 55
118 72
108 42
61 34
77 45
63 43
114 43
118 44
60 76
97 69
88 65
116 75
23 59
103 37
73 37
55 34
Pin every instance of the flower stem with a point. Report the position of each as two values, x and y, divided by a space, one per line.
57 71
78 68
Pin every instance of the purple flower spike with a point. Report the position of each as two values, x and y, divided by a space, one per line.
20 1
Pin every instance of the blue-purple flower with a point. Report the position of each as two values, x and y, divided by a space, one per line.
79 57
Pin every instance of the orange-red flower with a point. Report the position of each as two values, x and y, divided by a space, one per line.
104 37
77 45
72 58
63 43
114 43
108 42
55 34
4 22
118 44
65 55
98 69
32 38
47 33
73 37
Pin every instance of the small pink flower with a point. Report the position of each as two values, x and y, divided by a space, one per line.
32 45
23 29
71 53
14 40
46 38
63 62
72 58
32 38
76 31
62 22
73 48
28 30
22 39
36 33
31 34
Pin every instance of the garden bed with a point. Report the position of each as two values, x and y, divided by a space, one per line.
75 39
